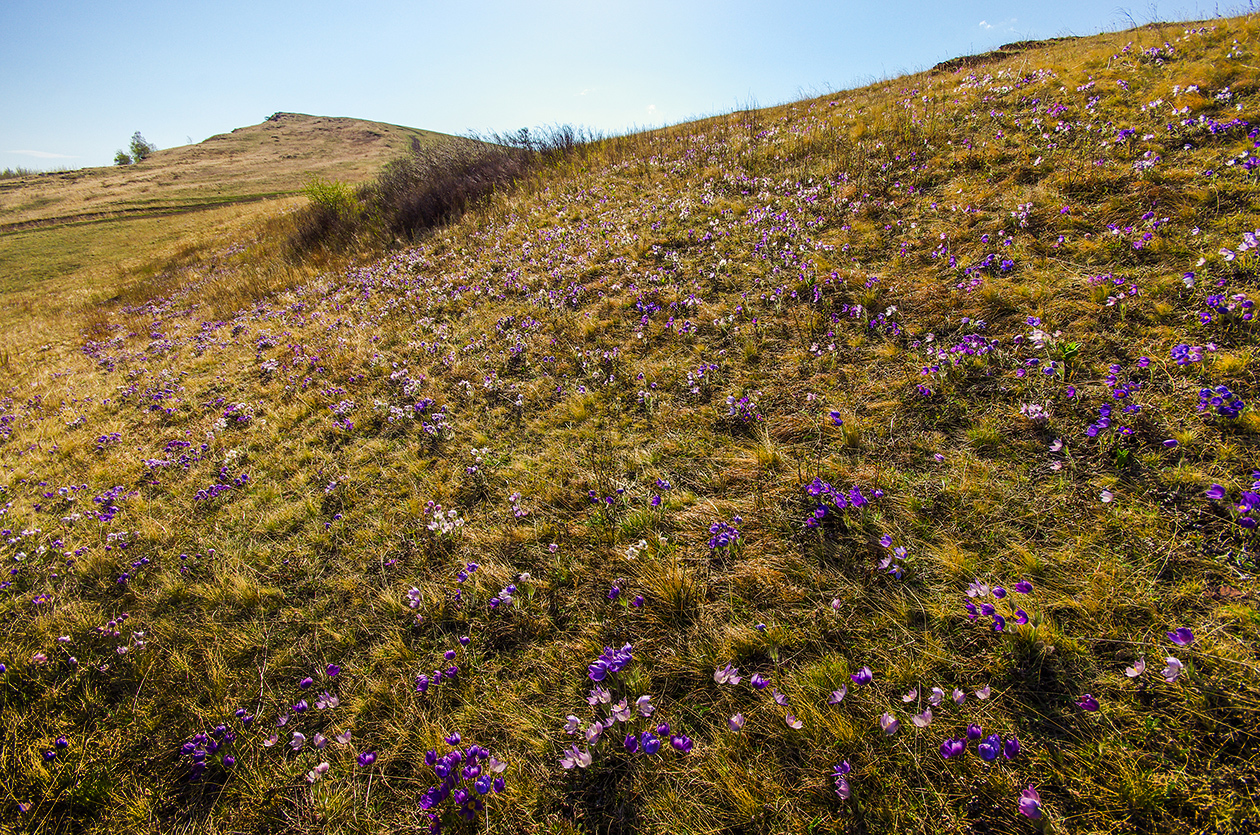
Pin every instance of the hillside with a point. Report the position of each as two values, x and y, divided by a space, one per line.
72 239
270 159
881 462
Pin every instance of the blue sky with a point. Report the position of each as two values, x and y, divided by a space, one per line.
78 78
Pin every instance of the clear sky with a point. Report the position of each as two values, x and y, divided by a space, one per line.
78 77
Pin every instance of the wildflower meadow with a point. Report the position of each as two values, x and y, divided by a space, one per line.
885 461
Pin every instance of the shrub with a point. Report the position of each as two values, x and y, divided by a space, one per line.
430 187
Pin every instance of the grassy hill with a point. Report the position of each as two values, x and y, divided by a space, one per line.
883 462
261 161
72 239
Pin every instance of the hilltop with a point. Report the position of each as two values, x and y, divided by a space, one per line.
270 159
879 462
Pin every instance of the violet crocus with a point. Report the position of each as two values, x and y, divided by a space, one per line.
843 791
989 748
862 676
366 759
575 757
1010 748
793 722
974 732
1087 702
736 722
1181 636
837 696
1216 492
952 748
727 675
1137 669
650 742
1030 803
682 744
759 681
1172 671
889 723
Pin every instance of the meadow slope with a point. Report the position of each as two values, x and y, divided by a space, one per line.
882 462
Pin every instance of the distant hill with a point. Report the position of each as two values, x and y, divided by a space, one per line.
268 159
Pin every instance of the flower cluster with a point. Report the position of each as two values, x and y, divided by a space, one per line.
1248 505
465 778
829 500
978 591
894 560
1225 402
445 524
987 747
724 537
642 734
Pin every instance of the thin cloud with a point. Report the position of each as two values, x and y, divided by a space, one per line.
44 154
1008 25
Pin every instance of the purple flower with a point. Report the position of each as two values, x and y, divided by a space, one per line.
1030 803
974 732
631 743
759 681
1010 748
1182 636
650 743
332 671
842 783
862 676
682 744
305 683
952 748
1172 671
989 748
1023 587
575 757
1087 702
367 758
1215 492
